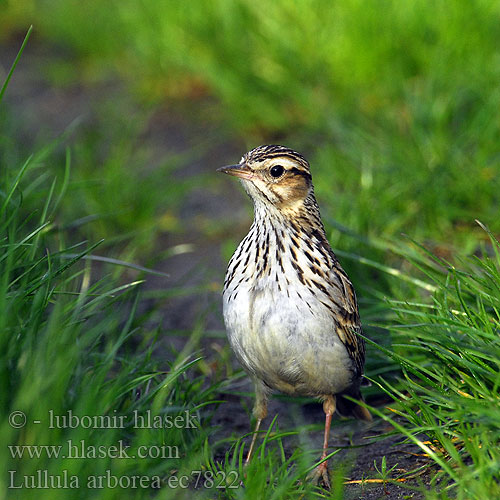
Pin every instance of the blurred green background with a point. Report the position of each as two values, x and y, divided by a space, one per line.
395 104
128 107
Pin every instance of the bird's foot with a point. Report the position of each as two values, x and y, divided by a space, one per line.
320 475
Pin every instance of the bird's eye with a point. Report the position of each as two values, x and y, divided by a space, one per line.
277 171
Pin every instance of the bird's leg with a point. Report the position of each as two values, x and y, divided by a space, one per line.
322 469
259 412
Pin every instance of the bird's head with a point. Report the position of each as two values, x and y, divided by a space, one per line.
274 176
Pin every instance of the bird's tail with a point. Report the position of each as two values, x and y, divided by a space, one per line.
348 408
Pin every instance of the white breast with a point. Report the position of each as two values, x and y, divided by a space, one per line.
279 330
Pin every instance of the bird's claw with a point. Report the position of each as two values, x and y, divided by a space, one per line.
320 475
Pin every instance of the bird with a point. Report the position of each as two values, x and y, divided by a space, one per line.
289 309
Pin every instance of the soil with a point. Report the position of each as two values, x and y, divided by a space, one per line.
44 109
362 445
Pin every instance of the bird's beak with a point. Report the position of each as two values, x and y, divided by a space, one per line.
240 170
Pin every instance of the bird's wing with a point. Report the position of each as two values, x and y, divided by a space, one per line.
349 324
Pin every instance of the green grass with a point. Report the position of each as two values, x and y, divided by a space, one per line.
71 343
74 344
449 352
117 190
395 104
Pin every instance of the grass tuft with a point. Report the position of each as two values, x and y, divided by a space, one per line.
449 352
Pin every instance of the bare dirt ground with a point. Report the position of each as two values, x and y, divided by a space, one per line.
43 109
361 450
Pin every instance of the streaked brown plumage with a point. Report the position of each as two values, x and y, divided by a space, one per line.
289 308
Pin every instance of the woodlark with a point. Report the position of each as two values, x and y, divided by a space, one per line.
289 308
